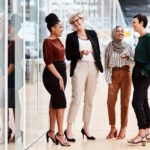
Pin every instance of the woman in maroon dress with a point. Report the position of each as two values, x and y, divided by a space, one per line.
54 78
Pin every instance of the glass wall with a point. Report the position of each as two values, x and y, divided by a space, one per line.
28 29
15 74
43 96
27 21
35 32
2 74
31 49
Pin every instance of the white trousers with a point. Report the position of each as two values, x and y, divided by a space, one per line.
83 80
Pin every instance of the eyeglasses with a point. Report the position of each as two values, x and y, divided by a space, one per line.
75 20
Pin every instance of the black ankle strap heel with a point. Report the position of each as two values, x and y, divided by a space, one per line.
68 139
58 141
47 136
88 137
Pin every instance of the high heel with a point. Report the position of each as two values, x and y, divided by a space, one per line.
58 141
12 139
112 134
121 134
88 137
9 133
47 136
68 139
135 141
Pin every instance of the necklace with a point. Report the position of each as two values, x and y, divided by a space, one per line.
83 34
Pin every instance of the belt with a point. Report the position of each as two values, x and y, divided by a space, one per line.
58 62
126 67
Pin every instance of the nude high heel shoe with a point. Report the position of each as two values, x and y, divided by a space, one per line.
112 133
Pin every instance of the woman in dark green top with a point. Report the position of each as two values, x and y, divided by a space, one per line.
141 80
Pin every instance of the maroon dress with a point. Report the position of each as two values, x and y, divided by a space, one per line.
54 53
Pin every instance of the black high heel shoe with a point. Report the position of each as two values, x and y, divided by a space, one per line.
12 139
9 133
70 140
58 141
47 137
88 137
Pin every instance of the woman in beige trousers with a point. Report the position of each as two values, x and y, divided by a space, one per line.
82 48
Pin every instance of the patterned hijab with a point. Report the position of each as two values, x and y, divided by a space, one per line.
114 45
118 46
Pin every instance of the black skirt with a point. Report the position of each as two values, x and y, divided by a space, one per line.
11 98
51 83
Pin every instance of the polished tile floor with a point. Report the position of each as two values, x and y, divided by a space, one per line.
99 123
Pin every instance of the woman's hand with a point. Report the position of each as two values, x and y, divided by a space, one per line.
84 52
54 71
111 89
124 56
61 83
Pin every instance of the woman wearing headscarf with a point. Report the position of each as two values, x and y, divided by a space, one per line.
118 59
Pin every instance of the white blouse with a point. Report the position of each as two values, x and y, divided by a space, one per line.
86 45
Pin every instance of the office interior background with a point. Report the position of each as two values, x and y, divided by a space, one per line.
31 99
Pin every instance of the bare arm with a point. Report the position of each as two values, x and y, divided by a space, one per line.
11 68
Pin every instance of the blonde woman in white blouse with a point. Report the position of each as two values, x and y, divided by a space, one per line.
118 59
83 50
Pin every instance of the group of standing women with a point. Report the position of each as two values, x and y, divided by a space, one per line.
83 50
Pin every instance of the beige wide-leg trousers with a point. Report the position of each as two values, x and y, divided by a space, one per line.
83 80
